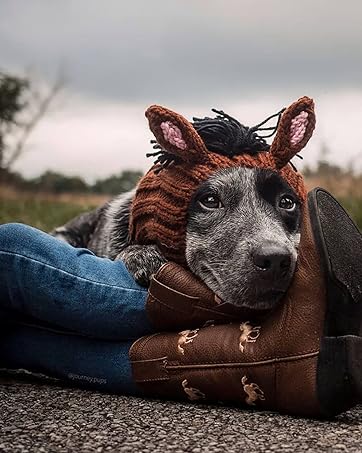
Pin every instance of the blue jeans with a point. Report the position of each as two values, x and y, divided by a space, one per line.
66 312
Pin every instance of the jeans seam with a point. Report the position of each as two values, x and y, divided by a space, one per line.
68 273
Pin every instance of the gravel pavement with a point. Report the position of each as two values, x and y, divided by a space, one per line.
47 417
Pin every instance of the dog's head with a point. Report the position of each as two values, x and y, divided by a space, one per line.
243 234
228 210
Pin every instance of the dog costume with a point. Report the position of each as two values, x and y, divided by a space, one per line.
159 208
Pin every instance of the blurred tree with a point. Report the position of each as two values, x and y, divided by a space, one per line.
116 184
11 93
54 182
57 183
324 167
22 105
307 171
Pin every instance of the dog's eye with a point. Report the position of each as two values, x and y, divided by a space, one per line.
286 202
210 201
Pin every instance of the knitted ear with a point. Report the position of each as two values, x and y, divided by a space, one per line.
294 131
175 134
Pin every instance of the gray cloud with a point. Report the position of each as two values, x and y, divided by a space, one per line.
249 58
183 51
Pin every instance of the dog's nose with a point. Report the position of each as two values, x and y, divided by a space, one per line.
273 260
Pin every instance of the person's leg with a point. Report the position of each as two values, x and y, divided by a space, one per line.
53 282
84 362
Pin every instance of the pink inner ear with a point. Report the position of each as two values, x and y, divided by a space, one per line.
298 127
173 135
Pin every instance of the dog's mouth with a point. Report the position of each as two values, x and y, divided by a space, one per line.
269 299
259 300
255 295
271 294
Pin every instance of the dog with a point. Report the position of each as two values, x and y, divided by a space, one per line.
242 236
242 225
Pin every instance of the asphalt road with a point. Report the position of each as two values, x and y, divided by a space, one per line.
46 417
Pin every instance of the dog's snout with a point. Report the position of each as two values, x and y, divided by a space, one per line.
273 259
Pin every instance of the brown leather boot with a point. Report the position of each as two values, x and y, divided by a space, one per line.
289 362
177 299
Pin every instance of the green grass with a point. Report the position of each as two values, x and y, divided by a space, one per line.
354 207
47 214
42 214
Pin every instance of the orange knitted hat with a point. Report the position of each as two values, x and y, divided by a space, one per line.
159 208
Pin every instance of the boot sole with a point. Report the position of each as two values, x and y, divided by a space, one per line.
339 244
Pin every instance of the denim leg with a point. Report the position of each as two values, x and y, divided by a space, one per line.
85 362
51 281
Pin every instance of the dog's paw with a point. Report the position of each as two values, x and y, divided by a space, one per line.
142 261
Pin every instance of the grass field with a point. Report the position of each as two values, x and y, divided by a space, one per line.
45 211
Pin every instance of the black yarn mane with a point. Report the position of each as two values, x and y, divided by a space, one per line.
223 135
227 136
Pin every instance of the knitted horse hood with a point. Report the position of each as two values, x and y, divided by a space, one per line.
159 208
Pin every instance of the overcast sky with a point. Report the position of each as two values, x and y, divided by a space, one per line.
248 58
